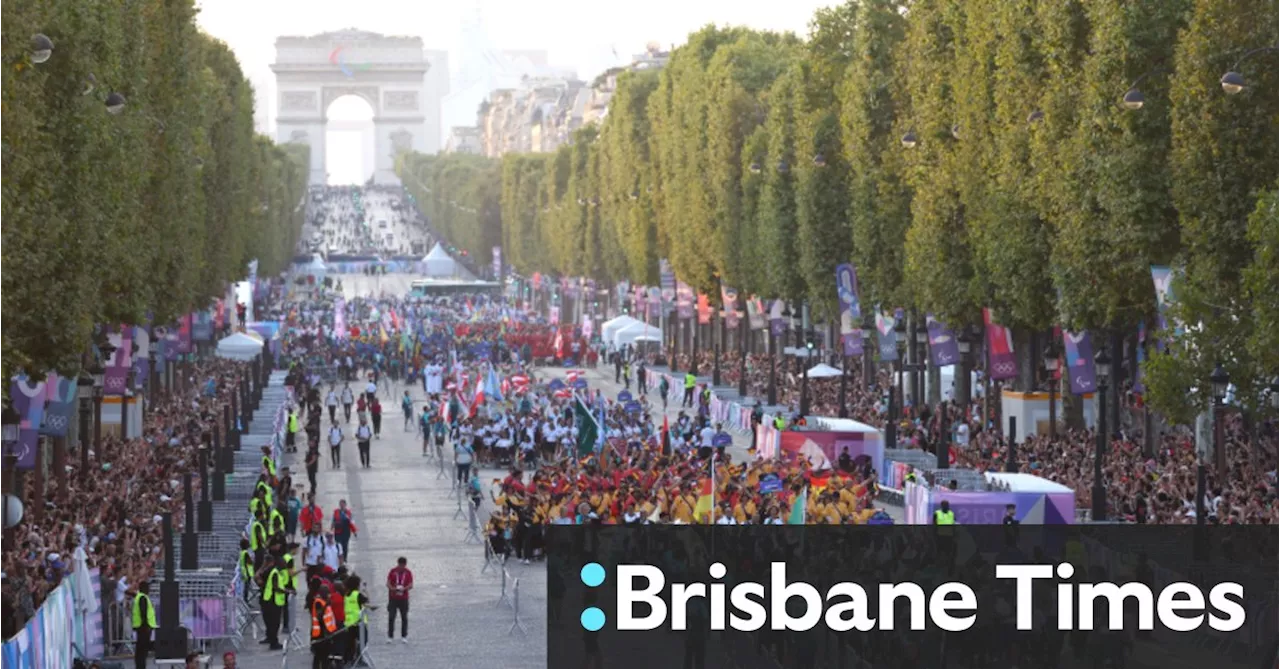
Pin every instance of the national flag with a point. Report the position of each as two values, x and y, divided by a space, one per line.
798 508
559 345
519 380
478 398
819 481
666 435
491 385
444 411
706 499
588 430
382 336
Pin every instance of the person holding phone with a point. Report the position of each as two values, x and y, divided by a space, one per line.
399 583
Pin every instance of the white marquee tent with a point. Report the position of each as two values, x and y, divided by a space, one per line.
239 346
317 268
636 332
822 371
439 263
611 328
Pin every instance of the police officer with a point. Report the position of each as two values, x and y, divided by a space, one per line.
144 623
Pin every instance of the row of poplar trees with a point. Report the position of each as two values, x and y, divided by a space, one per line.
146 213
763 161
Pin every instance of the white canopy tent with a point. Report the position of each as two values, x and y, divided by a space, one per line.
439 263
822 371
611 328
636 332
239 346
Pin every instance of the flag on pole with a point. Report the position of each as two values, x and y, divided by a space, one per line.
588 430
491 386
706 499
478 398
798 508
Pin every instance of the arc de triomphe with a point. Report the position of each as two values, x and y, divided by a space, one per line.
403 84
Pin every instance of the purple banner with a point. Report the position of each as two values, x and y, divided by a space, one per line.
886 338
121 361
777 324
729 300
684 300
60 395
943 349
202 326
1079 362
184 334
847 291
852 343
28 400
142 359
1001 363
171 343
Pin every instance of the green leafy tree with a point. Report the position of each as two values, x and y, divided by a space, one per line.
776 208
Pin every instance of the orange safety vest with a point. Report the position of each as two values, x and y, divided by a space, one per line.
330 624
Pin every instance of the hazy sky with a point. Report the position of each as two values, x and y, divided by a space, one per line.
579 34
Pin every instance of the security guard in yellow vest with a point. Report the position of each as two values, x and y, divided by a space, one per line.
689 382
293 585
268 464
275 522
246 567
911 478
779 423
944 515
258 541
144 623
264 489
352 603
291 431
275 587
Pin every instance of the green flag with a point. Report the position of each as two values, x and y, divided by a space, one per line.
588 430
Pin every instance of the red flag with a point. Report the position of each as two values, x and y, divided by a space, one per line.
478 399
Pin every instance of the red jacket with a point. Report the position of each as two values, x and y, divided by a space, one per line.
398 576
311 516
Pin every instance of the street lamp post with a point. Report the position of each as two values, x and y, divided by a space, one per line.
1051 364
124 405
84 391
919 353
11 422
1102 363
1220 380
804 378
844 382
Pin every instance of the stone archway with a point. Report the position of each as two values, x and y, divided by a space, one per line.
390 73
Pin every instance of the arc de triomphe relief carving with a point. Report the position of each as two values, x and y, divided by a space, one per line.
402 84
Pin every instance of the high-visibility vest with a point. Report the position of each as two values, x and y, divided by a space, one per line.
273 590
262 485
288 564
246 565
270 465
941 517
275 522
253 506
255 531
911 478
137 611
351 608
779 423
690 381
330 624
293 423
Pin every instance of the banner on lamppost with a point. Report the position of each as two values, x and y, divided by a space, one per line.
886 338
1162 277
28 400
704 309
117 368
61 407
497 263
667 280
942 343
729 299
1001 363
202 326
684 300
777 324
142 359
184 334
1080 370
850 309
755 313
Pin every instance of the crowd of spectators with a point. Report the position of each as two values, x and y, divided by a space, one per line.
113 510
1158 487
364 220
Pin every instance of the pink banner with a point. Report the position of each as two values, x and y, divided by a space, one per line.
1001 363
121 361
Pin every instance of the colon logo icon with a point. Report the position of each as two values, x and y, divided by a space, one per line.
592 618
